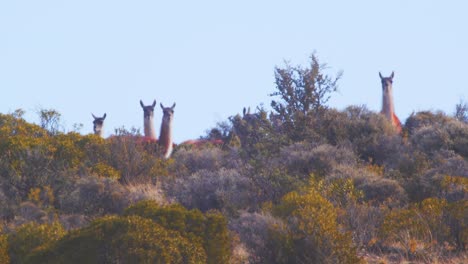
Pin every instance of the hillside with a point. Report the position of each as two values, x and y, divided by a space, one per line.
303 184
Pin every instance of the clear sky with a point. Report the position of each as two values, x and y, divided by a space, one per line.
214 57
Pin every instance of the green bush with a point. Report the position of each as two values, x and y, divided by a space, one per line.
4 257
31 238
301 94
424 227
210 229
312 233
113 239
457 222
135 157
258 137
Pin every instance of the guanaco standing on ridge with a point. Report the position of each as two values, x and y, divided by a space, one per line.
148 120
98 125
165 135
388 108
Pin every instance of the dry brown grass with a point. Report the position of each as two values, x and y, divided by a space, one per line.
146 191
398 258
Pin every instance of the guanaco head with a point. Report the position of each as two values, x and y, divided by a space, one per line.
168 112
148 110
246 111
248 117
387 81
98 123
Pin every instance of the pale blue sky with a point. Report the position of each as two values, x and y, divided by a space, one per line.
214 57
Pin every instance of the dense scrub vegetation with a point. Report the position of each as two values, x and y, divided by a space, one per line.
302 184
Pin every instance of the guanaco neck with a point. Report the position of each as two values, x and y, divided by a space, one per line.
148 123
98 130
165 135
388 108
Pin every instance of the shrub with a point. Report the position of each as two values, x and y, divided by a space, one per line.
216 240
26 155
364 221
73 221
42 196
458 223
408 165
93 196
365 130
461 111
148 191
403 229
441 181
271 182
387 151
453 188
304 159
188 161
210 229
340 191
423 228
312 233
174 217
458 132
429 139
254 230
431 132
34 157
106 171
226 190
135 158
302 93
7 206
425 118
4 257
378 190
240 253
257 135
32 237
29 212
114 239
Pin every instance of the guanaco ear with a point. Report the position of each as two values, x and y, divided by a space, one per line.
104 117
244 111
381 77
172 107
93 116
154 103
162 106
141 103
393 74
248 110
